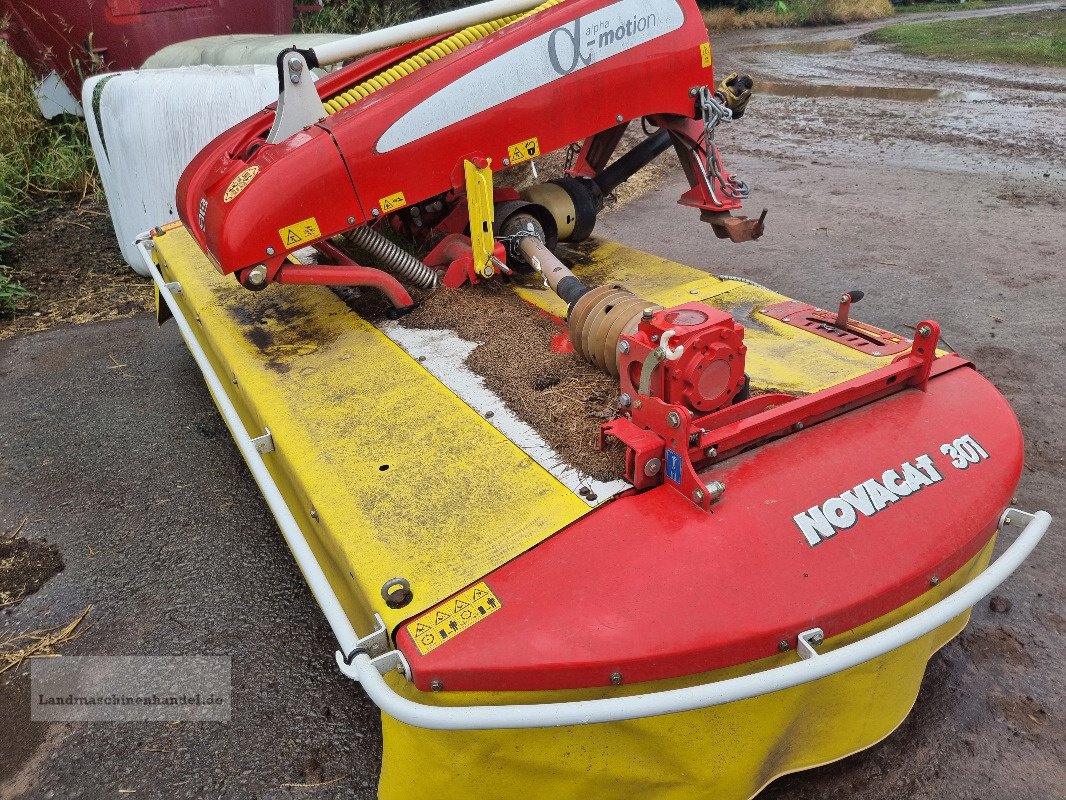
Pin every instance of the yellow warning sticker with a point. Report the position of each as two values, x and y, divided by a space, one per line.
239 183
523 151
705 54
452 617
392 202
299 232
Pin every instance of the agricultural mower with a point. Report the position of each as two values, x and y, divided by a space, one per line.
744 566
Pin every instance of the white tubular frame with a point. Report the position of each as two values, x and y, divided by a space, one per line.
358 664
332 52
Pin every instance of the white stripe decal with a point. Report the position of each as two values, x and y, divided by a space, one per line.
553 55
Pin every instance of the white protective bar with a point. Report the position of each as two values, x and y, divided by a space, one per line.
582 712
617 709
290 529
332 52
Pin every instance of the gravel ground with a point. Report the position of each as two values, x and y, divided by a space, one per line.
948 208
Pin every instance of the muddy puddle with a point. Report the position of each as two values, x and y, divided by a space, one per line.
910 94
804 48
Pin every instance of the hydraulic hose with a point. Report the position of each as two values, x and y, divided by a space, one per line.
394 258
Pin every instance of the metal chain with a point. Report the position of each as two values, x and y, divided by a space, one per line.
714 112
571 155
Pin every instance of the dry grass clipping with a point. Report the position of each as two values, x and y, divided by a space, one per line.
799 12
18 647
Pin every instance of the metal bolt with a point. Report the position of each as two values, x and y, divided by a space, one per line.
1006 520
618 118
436 685
785 319
924 330
693 92
816 639
698 495
716 489
783 646
655 338
652 467
257 275
693 291
877 352
711 452
934 581
624 400
488 271
673 419
616 678
351 220
270 251
507 162
647 313
375 213
798 426
623 346
314 514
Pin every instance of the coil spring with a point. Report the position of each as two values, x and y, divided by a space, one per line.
394 258
442 48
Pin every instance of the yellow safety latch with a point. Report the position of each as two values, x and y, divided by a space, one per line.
482 214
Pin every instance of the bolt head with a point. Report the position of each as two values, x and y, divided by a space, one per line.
693 291
489 271
351 220
783 646
716 489
618 118
652 467
507 162
711 452
817 639
798 426
924 330
375 212
934 581
698 495
436 685
616 678
673 419
257 275
647 313
623 346
270 251
624 400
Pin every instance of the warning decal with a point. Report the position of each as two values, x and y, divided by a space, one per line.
452 617
392 202
705 54
299 232
523 151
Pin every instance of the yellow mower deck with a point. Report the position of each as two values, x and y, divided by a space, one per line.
389 474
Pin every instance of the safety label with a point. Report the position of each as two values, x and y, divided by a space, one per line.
452 617
523 151
238 184
299 232
392 202
705 54
673 465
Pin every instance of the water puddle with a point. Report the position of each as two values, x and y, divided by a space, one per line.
910 94
805 48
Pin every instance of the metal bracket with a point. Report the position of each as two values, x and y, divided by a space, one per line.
264 443
298 102
392 661
1012 515
376 645
807 641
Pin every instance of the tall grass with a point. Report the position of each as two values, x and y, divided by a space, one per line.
38 160
786 13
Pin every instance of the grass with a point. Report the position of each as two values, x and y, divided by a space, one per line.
968 5
38 161
1037 39
797 12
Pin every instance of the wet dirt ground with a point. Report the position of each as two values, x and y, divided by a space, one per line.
948 207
